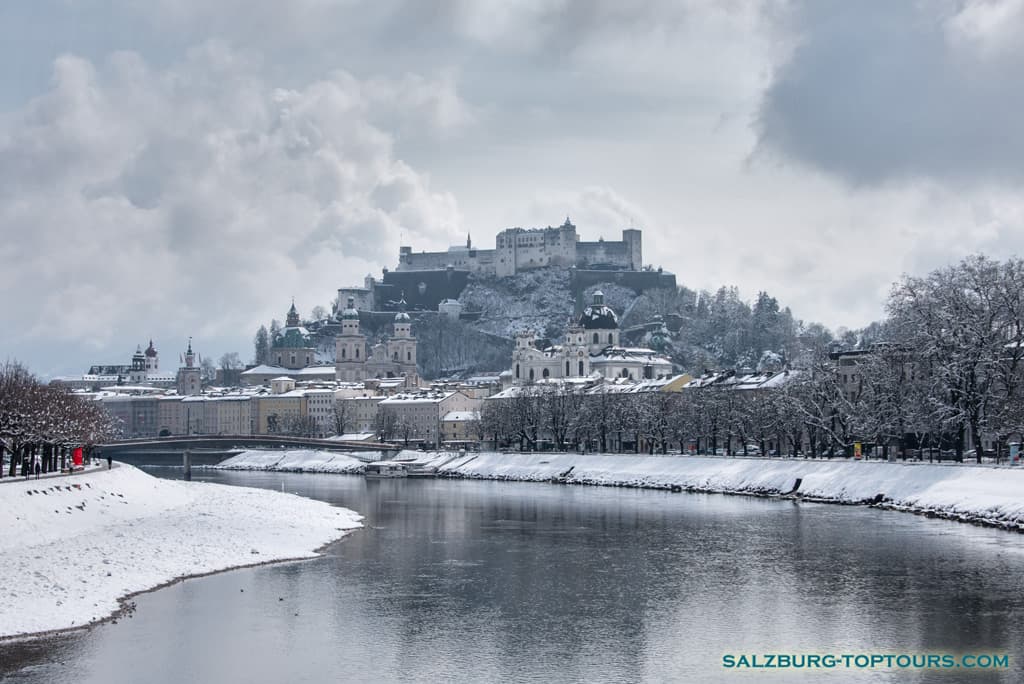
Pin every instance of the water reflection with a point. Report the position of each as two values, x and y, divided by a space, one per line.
481 581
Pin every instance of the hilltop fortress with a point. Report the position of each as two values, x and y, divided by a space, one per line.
426 281
519 249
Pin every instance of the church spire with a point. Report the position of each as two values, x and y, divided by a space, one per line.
292 319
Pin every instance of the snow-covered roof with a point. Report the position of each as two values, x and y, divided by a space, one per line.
639 354
263 369
426 398
742 381
485 379
461 416
135 388
354 437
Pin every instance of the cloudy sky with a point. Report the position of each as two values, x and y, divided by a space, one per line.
184 167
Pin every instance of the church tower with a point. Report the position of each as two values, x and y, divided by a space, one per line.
402 349
350 346
189 378
291 319
137 373
152 359
576 353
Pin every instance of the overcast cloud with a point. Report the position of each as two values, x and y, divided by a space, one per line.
183 167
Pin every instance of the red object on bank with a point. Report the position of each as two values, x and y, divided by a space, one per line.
76 456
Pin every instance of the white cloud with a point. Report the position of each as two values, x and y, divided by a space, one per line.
142 202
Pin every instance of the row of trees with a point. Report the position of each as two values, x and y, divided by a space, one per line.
704 420
44 421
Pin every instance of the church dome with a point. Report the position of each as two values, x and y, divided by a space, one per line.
150 350
402 317
598 316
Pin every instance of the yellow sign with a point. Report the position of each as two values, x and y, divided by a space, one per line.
856 450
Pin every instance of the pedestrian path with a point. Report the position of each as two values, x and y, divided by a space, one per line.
55 474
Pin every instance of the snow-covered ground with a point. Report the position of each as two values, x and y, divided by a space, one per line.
71 547
987 494
296 460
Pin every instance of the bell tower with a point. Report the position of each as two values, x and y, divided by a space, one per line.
189 380
350 346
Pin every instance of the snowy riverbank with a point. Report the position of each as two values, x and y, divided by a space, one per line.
70 548
983 494
296 461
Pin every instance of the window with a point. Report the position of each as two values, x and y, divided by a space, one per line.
517 370
566 369
342 352
581 368
408 356
357 352
609 338
531 375
595 339
546 373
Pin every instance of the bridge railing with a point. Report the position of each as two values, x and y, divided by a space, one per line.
252 440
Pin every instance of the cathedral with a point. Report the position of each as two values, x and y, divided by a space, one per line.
355 361
591 347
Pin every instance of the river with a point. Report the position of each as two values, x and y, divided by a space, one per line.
474 581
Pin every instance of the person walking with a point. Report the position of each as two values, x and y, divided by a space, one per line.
110 461
37 466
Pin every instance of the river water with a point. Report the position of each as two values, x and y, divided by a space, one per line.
470 581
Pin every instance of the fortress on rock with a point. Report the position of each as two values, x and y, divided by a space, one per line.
519 249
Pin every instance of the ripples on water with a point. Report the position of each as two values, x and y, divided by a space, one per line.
486 581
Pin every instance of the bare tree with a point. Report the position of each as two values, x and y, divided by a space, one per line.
342 416
385 423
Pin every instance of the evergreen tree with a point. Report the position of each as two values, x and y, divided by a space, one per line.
262 345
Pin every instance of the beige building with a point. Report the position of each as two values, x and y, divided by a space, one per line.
419 416
229 415
274 411
193 415
361 413
170 416
459 426
320 407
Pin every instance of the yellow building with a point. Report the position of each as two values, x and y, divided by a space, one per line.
274 411
459 426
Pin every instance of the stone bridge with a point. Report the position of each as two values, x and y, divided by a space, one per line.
209 449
